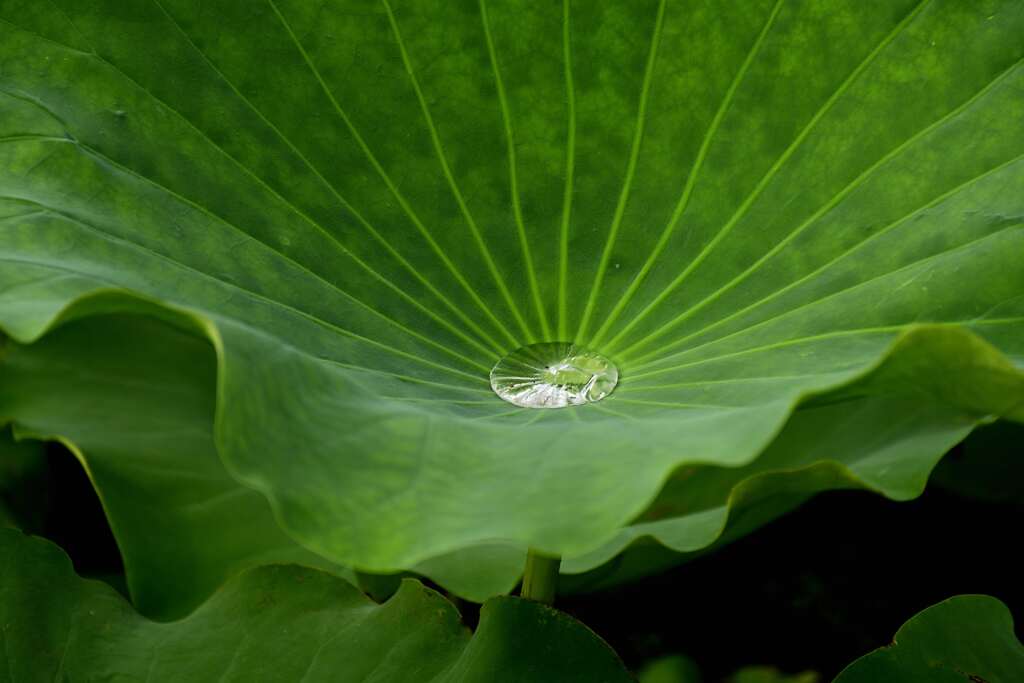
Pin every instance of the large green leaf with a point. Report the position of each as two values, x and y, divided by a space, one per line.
966 638
279 623
365 204
133 399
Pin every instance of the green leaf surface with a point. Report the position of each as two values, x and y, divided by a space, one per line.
744 205
133 398
968 638
278 623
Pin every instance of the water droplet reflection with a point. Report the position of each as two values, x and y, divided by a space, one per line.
553 375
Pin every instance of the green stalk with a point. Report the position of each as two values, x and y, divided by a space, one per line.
540 578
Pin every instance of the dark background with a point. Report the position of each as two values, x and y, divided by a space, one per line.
813 590
818 588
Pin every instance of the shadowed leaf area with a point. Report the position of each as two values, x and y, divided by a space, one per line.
795 228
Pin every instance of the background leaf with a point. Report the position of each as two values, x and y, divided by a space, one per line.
278 623
969 637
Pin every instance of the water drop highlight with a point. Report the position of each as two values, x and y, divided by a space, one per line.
553 375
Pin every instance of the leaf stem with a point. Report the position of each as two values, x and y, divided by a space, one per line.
540 578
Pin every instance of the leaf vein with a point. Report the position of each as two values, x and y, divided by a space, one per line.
766 180
517 209
829 205
141 248
455 272
885 230
570 164
691 177
882 329
634 155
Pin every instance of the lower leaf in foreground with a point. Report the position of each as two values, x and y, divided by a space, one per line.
278 623
968 638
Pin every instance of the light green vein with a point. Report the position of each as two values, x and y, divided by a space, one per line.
387 282
691 178
534 416
245 169
204 210
445 401
410 378
833 295
330 187
343 116
132 246
628 388
442 158
766 180
886 329
541 414
601 408
882 329
659 354
671 404
634 155
507 413
570 163
216 217
825 208
513 174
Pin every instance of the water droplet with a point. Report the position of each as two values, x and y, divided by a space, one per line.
553 375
